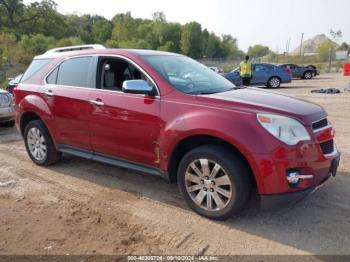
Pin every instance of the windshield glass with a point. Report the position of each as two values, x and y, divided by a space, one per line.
187 75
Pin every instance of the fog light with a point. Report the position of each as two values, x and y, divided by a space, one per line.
293 178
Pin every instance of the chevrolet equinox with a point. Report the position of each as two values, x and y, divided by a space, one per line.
167 115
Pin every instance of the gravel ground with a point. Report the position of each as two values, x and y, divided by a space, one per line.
81 207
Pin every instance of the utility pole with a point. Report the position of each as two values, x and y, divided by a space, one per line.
301 46
330 59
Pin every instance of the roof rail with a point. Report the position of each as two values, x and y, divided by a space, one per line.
74 48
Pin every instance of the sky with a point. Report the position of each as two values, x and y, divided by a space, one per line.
267 22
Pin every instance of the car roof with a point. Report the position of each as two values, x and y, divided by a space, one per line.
107 51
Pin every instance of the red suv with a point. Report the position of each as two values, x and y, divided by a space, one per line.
167 115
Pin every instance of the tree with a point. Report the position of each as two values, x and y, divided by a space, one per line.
101 30
336 35
37 17
229 47
344 46
124 27
324 51
258 51
191 40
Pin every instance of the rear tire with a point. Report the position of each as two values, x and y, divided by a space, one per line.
274 82
39 144
214 181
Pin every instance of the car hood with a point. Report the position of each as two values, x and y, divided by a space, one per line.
3 91
256 100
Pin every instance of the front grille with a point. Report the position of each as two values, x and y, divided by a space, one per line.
327 147
320 124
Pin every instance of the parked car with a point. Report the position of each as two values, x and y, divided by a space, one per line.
7 114
167 115
300 71
268 75
217 69
316 72
13 82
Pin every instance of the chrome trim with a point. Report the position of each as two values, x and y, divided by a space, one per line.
322 128
334 153
49 93
290 179
74 48
105 55
319 121
97 103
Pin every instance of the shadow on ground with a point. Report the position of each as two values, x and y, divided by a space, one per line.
316 225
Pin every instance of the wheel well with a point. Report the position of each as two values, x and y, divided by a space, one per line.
192 142
275 77
26 118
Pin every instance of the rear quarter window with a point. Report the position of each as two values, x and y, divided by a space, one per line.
74 72
34 68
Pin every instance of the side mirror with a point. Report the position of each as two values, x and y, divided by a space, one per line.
13 83
137 87
10 79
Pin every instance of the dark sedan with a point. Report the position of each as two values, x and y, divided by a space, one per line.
300 71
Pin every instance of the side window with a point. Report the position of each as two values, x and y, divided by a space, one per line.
52 78
74 72
259 68
114 71
34 67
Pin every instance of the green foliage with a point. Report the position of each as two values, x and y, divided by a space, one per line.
27 30
343 47
258 51
191 40
325 50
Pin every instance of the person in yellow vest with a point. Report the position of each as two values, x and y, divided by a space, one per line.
246 71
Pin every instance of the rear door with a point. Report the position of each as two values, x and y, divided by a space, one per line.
259 74
66 93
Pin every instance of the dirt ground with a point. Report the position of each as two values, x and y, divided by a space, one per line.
82 207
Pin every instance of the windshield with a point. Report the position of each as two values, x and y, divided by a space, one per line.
187 75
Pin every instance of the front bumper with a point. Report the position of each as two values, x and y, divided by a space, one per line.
276 200
7 114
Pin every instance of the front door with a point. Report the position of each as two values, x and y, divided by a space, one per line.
125 126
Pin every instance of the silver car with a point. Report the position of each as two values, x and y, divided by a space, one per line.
7 114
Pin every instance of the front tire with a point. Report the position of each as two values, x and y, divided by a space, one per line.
214 181
274 82
39 144
307 75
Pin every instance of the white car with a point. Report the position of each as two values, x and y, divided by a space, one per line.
7 114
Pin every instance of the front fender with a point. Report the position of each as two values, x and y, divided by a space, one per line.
239 129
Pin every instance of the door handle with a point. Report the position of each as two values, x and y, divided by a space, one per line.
49 93
97 102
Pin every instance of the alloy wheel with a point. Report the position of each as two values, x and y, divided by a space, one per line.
308 75
275 82
36 144
208 185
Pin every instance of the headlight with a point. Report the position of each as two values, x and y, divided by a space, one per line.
5 100
288 130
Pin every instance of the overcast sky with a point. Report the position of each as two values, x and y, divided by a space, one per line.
268 22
